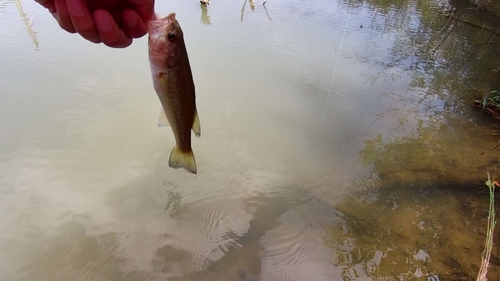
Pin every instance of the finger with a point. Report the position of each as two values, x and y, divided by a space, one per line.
62 16
43 2
133 25
48 4
83 20
109 32
145 8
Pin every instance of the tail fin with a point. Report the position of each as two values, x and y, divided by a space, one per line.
180 159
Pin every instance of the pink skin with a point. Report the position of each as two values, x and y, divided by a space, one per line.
159 46
112 22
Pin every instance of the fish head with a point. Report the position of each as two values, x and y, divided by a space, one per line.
166 41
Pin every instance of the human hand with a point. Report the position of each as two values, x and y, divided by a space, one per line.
112 22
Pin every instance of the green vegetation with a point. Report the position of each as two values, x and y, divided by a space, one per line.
490 103
492 98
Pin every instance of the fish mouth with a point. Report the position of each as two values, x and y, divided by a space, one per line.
170 17
159 22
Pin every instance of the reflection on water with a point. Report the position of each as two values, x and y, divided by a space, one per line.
205 18
339 143
252 8
28 23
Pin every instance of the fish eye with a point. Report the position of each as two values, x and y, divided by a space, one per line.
171 36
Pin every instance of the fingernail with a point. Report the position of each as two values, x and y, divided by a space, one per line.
76 8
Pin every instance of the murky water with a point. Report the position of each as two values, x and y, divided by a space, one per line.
339 143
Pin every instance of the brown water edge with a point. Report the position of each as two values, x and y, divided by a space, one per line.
446 219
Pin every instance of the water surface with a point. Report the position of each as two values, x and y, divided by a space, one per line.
339 143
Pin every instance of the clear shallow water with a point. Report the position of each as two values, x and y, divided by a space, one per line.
334 147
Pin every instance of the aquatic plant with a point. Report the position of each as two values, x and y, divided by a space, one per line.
485 256
492 98
490 102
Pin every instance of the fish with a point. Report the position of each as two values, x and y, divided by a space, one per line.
174 85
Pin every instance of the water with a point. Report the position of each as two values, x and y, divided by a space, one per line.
339 143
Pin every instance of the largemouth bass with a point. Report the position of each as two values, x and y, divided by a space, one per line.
173 82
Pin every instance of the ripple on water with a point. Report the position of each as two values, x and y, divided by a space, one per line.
102 258
202 220
303 245
311 238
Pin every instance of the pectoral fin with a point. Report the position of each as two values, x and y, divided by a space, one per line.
196 125
162 119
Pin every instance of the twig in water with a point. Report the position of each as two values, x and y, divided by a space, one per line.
485 256
472 87
243 9
265 9
493 147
